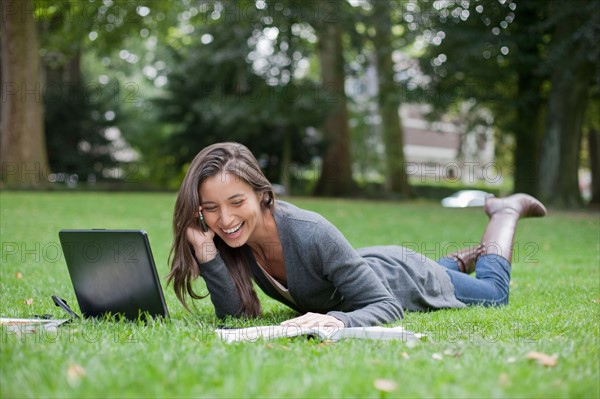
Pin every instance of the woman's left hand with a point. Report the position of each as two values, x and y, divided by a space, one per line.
315 320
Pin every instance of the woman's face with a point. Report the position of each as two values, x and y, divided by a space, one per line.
230 207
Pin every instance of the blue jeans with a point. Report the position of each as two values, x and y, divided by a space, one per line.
489 287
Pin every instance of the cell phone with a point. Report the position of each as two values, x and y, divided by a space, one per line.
202 222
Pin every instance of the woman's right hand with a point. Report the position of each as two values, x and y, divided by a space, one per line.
202 242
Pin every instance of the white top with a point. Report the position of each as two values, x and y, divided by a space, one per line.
283 291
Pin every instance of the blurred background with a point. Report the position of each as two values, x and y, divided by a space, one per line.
375 98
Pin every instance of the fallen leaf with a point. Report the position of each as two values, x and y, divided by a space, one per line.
597 300
29 301
385 385
543 359
452 353
74 374
19 275
504 379
437 356
557 383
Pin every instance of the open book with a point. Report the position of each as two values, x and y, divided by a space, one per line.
327 333
30 326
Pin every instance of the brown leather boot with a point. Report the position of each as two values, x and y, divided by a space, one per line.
466 258
504 214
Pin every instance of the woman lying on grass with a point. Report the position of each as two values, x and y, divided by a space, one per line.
300 259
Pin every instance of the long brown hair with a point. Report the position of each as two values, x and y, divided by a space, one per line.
218 158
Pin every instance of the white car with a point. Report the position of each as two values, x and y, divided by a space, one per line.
465 198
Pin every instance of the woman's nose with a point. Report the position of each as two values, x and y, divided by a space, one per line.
226 217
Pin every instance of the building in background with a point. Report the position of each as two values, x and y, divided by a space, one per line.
447 150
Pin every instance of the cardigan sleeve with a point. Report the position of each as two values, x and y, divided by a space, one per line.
354 279
221 288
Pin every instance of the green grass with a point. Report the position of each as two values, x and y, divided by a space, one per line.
474 352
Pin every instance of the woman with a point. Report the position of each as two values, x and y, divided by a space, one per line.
300 259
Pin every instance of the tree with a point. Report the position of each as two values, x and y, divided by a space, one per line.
80 107
336 174
592 128
485 54
389 102
573 54
22 147
522 61
223 87
526 35
594 148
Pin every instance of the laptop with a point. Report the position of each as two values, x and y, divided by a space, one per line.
113 272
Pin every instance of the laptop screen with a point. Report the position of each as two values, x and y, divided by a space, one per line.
113 272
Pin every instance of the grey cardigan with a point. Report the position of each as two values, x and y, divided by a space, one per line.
325 274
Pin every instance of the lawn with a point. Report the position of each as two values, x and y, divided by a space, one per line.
475 352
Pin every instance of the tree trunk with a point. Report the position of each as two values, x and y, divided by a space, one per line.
528 128
526 153
22 146
528 134
336 173
396 180
594 146
62 138
559 182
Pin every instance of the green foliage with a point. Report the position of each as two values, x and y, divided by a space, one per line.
474 352
84 98
505 56
248 71
67 26
216 93
75 125
466 53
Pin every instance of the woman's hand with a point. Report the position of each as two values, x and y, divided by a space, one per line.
202 242
315 320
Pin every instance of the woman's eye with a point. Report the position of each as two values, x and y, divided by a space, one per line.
237 203
209 209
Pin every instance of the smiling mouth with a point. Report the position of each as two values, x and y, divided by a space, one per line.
233 230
